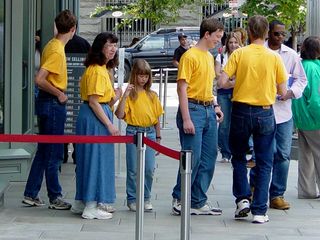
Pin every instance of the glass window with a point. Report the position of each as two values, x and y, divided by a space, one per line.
174 41
1 64
153 42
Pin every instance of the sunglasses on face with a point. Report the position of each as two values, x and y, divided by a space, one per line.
277 34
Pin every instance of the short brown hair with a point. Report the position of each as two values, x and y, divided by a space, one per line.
258 26
210 25
65 21
310 48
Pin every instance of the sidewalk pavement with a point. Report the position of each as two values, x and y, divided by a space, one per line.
19 222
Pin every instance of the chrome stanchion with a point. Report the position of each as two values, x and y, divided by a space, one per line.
120 84
160 84
185 171
141 150
165 87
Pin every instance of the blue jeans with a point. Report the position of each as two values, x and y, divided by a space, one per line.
224 127
281 160
131 157
260 122
51 117
204 147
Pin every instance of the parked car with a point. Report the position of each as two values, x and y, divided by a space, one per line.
158 47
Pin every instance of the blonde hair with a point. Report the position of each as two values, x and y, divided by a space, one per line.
242 33
141 67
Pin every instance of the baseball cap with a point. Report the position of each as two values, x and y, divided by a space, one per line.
182 35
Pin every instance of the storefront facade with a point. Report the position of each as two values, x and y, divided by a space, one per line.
19 21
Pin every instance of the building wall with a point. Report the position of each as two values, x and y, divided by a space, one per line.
90 27
188 16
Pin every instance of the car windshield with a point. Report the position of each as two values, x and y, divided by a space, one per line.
154 42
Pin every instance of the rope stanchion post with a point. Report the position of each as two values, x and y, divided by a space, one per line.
160 84
185 171
165 89
141 150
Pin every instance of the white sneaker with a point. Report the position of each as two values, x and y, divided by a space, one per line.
207 209
243 208
95 213
148 206
176 207
260 219
77 207
132 207
106 207
224 160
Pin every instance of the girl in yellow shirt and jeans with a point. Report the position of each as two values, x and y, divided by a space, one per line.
140 108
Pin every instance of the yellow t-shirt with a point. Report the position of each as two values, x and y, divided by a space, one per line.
258 70
96 81
53 60
196 67
144 111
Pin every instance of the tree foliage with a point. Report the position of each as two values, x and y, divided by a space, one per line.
290 12
157 11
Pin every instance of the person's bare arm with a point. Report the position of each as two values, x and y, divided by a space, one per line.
42 82
225 82
118 92
282 89
175 63
98 111
121 106
217 69
188 126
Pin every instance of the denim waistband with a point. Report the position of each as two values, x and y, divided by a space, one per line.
251 106
141 129
43 94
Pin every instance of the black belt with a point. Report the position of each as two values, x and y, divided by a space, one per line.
253 106
204 103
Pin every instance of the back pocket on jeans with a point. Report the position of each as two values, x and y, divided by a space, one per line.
266 125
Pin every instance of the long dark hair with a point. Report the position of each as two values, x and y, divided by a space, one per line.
96 56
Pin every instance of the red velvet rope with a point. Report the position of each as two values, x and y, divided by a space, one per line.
86 139
65 138
162 149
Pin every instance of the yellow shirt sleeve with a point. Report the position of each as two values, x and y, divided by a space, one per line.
53 60
96 85
53 63
185 69
231 66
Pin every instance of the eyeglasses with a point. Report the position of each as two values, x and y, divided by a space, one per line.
277 34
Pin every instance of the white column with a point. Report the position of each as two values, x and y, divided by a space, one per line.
313 18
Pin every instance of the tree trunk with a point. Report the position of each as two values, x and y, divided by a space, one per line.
294 40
